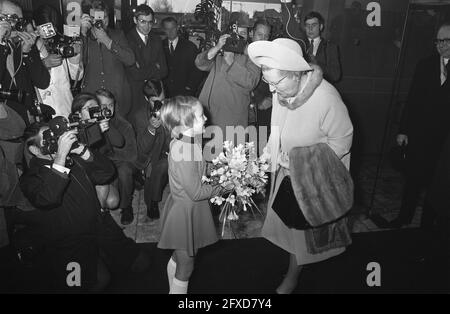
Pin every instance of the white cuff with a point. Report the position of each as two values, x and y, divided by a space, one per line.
61 169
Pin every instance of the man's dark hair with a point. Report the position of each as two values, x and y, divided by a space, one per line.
169 19
106 93
145 10
263 22
87 5
314 15
80 100
48 14
31 132
153 88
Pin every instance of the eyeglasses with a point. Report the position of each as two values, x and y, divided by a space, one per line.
274 84
444 41
151 23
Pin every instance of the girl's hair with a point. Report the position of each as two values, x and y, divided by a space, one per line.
177 114
80 100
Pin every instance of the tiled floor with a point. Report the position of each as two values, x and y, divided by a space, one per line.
385 206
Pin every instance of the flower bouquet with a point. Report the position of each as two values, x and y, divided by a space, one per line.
241 174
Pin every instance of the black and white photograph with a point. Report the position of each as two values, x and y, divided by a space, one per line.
225 151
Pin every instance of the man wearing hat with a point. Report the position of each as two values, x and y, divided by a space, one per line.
307 110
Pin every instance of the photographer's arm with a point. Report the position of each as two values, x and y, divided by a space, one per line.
38 73
203 63
115 137
44 188
121 49
3 57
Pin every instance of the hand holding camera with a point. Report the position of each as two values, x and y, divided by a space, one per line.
102 37
28 40
86 24
65 143
155 123
52 61
222 41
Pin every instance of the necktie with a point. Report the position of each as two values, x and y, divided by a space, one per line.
146 39
172 50
447 70
311 47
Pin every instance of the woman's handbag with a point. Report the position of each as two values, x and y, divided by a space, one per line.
286 207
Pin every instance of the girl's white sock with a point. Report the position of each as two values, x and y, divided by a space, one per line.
171 269
179 287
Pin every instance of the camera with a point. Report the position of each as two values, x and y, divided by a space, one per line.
236 43
97 18
61 45
89 133
155 111
17 24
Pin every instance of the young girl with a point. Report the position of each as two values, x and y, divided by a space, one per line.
187 222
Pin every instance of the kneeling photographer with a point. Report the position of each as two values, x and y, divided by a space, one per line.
153 142
232 77
123 157
61 55
97 133
60 184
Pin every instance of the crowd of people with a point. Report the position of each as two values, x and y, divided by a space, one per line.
136 100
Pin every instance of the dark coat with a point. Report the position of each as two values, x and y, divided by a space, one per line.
68 206
426 118
150 64
439 192
106 68
30 72
184 77
328 58
150 147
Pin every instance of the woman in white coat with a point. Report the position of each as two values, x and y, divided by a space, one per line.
307 110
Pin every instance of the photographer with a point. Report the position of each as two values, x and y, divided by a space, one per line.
106 54
232 77
124 157
20 65
62 67
68 209
153 145
101 137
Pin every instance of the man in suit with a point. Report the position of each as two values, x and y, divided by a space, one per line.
150 61
320 50
425 124
21 67
184 77
106 54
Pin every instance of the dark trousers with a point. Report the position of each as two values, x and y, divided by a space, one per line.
124 182
411 193
156 179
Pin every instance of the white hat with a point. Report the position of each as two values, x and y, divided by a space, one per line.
281 54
